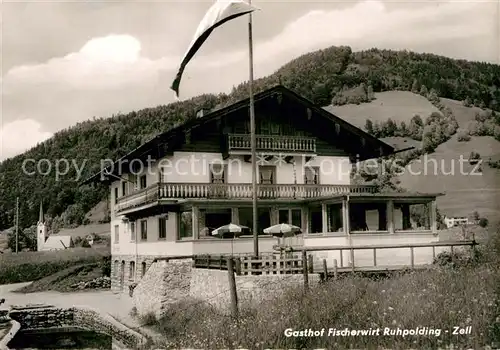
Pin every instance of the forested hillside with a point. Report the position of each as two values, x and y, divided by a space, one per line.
323 76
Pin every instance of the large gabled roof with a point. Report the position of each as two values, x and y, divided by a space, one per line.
55 242
380 149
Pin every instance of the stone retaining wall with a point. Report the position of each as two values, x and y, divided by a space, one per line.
213 287
116 266
92 319
42 317
166 283
81 317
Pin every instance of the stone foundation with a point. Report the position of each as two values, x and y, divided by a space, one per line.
213 287
116 270
170 282
165 283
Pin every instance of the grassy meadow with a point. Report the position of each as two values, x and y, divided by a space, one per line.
463 295
465 192
31 266
398 105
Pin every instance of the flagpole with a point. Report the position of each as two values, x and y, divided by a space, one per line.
253 140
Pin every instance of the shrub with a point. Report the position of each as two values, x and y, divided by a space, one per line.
106 266
457 259
483 222
463 136
133 312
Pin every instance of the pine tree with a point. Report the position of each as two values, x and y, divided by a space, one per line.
370 94
414 86
369 126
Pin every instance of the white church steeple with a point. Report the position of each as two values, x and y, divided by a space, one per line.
41 230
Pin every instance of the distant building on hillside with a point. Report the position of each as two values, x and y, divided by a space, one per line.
453 221
52 242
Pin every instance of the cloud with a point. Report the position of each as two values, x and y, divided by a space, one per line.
19 136
110 74
455 26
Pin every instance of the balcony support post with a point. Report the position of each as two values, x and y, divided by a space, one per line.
305 219
195 214
235 216
324 216
346 217
433 216
390 216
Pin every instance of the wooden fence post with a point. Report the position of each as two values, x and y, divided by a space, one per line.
335 269
412 257
325 270
473 249
232 288
305 270
352 259
238 266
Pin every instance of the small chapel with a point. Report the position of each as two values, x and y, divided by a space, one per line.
45 241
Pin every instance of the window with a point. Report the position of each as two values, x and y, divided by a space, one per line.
266 175
291 217
132 185
296 217
185 225
144 269
311 175
143 181
160 175
217 173
275 128
116 195
132 231
283 216
162 228
131 274
144 230
265 127
117 233
122 273
124 188
116 268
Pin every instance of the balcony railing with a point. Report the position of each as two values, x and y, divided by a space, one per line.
159 191
272 143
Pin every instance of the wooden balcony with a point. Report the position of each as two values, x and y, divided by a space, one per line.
241 144
176 191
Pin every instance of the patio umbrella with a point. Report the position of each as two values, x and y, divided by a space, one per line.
283 230
230 228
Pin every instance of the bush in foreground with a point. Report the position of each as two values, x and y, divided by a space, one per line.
442 298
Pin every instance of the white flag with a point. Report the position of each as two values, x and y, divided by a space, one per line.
220 12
